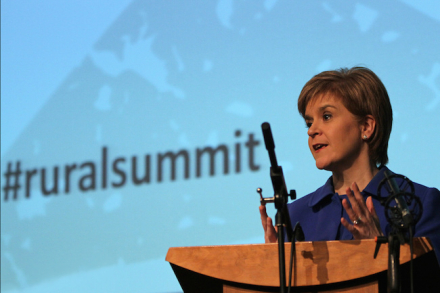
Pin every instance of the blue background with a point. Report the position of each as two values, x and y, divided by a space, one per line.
146 77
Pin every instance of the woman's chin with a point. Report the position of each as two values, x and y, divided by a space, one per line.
320 165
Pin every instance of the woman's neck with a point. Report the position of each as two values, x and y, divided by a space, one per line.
362 175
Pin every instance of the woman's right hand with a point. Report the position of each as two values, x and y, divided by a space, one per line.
270 232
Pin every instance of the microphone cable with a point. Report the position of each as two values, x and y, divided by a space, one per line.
298 235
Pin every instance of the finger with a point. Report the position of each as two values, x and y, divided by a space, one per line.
373 214
263 216
351 214
370 206
351 228
356 200
270 234
357 192
270 226
360 199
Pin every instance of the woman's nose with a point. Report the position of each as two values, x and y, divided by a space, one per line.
313 130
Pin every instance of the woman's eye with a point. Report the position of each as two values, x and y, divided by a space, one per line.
308 124
327 116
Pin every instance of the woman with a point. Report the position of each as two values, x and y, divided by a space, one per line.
349 118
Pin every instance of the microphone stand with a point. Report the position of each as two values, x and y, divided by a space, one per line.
394 240
402 220
280 199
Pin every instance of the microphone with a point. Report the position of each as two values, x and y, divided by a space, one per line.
402 207
270 144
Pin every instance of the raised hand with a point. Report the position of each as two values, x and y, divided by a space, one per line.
365 223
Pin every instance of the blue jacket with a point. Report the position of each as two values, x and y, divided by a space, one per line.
320 212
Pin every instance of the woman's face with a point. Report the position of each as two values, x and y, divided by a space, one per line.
335 134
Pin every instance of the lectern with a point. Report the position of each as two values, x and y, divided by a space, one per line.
321 266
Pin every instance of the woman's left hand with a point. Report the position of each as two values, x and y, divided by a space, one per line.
363 215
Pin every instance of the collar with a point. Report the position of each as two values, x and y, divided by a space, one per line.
374 183
322 192
328 190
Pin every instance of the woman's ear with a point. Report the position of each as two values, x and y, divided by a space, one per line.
368 126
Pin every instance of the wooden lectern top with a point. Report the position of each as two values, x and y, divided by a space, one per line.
315 263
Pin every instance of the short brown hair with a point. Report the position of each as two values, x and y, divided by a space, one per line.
362 93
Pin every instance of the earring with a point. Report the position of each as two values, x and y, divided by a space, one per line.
365 137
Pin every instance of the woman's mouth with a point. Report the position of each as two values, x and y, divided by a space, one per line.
318 147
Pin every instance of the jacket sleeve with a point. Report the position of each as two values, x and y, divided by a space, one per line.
429 223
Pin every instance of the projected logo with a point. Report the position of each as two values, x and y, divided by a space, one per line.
122 167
